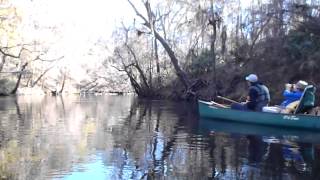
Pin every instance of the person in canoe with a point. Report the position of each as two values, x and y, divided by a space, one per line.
293 92
292 95
258 95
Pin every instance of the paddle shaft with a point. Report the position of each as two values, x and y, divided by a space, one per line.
227 99
218 105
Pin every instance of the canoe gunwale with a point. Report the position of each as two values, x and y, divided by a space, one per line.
217 107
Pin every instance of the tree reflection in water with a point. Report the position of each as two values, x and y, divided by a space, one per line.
121 137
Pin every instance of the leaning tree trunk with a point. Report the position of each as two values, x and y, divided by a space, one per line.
137 66
190 88
41 75
174 60
14 91
180 73
137 88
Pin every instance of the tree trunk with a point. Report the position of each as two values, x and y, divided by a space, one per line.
63 83
212 46
238 24
3 61
223 41
141 73
137 88
281 19
14 91
180 73
151 67
156 56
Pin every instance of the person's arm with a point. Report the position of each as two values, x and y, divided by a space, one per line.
292 94
253 95
252 98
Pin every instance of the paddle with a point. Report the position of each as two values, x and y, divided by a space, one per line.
212 103
227 99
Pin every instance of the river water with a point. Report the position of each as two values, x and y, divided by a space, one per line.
122 137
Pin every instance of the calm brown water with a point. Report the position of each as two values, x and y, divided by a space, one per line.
121 137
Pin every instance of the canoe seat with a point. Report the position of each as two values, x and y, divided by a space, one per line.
271 109
307 100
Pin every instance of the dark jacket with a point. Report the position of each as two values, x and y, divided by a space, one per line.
259 96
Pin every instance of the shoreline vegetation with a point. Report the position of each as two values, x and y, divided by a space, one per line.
182 51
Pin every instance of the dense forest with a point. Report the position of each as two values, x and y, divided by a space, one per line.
212 45
179 50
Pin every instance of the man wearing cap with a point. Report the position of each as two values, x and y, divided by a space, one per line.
258 95
293 93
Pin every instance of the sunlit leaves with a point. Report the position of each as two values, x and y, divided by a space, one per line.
9 21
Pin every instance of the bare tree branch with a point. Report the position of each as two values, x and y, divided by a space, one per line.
42 74
125 67
38 58
137 12
11 55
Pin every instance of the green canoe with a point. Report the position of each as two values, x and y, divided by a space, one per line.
209 110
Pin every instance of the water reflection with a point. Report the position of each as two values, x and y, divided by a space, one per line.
121 137
271 153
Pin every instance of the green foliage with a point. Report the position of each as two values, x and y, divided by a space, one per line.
201 64
301 44
6 86
10 18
